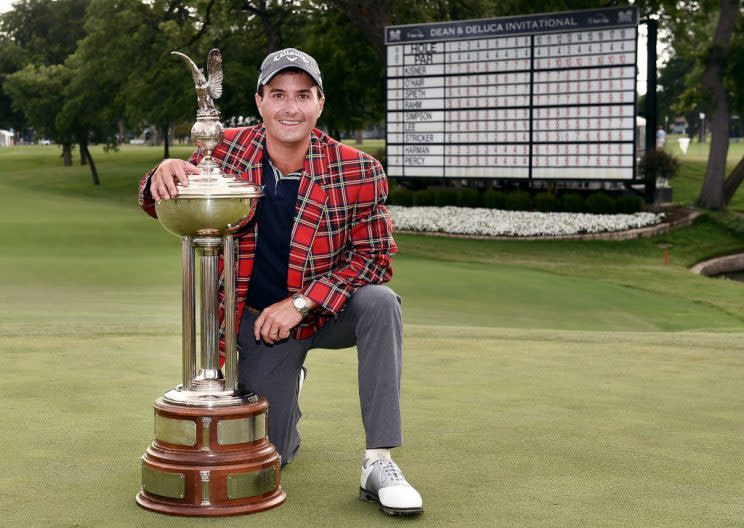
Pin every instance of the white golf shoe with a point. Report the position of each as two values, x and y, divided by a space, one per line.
383 482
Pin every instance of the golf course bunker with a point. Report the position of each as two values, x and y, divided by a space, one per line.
730 266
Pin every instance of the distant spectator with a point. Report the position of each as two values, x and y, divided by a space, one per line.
660 137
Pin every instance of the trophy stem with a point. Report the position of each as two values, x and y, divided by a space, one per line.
210 373
231 360
188 318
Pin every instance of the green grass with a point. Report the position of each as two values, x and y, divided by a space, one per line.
368 145
546 383
686 185
699 151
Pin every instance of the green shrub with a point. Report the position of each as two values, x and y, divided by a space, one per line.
573 203
517 201
468 197
423 197
379 155
547 202
628 204
443 197
494 199
400 196
600 203
658 163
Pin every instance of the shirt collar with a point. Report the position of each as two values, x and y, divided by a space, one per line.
295 175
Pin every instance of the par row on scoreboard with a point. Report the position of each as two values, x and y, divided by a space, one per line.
507 65
397 57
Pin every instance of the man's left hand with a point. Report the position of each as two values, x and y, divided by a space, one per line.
277 321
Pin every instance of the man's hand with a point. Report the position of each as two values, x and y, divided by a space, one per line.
169 172
277 321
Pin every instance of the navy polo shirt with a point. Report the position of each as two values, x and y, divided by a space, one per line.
275 217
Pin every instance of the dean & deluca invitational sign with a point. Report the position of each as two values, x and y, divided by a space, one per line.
549 96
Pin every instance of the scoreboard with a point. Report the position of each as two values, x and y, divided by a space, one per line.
549 97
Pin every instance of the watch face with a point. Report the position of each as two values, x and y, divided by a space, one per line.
299 303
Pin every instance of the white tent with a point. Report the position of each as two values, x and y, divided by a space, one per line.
640 137
6 138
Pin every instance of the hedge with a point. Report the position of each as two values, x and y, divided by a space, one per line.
548 202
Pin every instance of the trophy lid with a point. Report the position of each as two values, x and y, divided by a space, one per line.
203 186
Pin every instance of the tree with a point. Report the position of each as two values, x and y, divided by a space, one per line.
36 91
41 33
128 46
713 79
352 72
11 60
47 31
273 16
672 80
371 17
713 83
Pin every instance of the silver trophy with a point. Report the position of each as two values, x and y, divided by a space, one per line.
211 455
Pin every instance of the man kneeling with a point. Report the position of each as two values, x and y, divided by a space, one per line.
311 267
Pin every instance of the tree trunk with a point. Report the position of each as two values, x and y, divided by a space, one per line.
91 163
271 17
359 137
711 194
166 143
83 155
371 17
271 30
649 187
732 182
67 154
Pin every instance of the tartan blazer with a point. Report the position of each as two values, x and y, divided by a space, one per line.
342 234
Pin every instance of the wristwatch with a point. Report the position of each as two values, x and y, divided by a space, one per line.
300 304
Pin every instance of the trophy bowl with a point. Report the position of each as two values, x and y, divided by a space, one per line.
208 214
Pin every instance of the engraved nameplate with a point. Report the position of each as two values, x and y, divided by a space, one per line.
181 432
252 484
162 483
241 430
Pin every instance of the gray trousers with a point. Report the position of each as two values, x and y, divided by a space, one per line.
372 321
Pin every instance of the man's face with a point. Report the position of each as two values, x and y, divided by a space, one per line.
290 107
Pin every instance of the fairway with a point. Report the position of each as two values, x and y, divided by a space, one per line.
546 383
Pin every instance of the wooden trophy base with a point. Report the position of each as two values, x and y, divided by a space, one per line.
208 462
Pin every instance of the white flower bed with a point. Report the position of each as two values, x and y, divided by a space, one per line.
495 222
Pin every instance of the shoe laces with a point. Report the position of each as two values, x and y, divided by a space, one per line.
391 470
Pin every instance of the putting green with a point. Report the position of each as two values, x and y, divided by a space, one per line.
545 383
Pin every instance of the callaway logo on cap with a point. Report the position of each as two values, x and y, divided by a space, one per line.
289 58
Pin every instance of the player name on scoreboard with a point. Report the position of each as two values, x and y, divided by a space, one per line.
548 96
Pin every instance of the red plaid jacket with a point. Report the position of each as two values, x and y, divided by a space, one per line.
342 234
